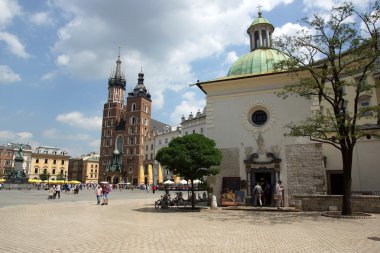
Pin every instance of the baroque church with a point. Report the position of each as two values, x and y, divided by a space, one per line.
127 128
247 120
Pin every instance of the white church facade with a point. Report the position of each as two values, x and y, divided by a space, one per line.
247 120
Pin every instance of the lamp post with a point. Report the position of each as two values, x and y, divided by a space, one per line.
48 180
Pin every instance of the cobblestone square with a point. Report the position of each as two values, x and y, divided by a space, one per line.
31 223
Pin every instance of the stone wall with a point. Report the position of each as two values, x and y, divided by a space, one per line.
229 167
360 203
305 170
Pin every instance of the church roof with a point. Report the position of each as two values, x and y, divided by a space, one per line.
263 56
261 20
259 61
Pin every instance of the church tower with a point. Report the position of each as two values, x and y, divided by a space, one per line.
126 130
113 119
138 117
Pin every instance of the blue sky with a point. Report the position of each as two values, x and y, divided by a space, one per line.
56 57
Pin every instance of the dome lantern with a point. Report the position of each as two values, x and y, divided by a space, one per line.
260 33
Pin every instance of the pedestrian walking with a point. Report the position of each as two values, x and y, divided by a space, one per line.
106 189
58 190
98 192
257 192
154 189
278 196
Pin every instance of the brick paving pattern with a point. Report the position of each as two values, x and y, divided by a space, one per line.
131 224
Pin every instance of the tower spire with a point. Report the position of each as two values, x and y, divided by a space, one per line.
118 73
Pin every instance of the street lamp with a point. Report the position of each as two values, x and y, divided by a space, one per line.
48 180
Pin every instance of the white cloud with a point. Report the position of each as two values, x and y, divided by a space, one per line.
170 37
16 137
77 119
13 44
231 58
290 29
63 60
42 19
7 75
8 10
49 76
189 104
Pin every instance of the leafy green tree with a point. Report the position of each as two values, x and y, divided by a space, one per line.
338 54
60 176
44 175
192 157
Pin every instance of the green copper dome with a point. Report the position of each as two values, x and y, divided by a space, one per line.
259 61
261 20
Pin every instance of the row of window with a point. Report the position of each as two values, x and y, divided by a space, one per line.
133 120
167 140
6 153
6 162
54 161
53 172
134 108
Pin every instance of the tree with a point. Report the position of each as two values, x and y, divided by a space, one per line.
60 176
44 175
338 55
192 157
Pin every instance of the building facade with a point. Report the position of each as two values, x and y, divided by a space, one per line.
8 155
127 128
52 161
248 122
85 168
6 160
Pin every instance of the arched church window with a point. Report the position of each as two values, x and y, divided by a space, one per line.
256 39
133 107
264 38
119 143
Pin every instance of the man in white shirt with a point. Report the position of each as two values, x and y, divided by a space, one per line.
278 196
257 191
58 190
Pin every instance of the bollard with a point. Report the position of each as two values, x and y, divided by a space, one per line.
214 205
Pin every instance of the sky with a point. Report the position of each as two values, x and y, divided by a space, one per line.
56 57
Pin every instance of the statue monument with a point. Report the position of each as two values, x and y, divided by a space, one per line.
17 174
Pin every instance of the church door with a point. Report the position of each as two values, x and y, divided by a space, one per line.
267 180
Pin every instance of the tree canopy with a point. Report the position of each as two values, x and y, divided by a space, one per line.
192 157
339 53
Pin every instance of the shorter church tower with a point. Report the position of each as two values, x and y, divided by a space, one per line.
138 117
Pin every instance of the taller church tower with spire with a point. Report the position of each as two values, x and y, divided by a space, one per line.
125 130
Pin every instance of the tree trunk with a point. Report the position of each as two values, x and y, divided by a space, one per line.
347 181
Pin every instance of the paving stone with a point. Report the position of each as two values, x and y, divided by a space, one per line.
131 224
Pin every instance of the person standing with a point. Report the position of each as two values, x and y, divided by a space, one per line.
154 189
257 191
98 192
106 189
58 190
279 190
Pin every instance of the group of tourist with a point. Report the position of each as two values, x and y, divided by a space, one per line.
102 191
54 191
262 193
